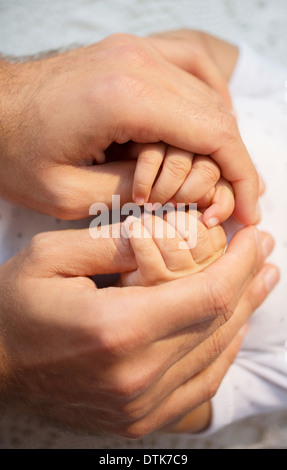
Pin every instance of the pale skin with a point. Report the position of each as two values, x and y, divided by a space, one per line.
79 355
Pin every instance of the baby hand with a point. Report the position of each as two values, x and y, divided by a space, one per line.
164 173
164 251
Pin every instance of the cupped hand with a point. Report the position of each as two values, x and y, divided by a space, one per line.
60 115
127 360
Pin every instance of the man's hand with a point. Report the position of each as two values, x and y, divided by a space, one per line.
128 360
60 115
211 59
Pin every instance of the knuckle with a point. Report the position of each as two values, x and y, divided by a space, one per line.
197 57
114 344
63 209
128 384
67 206
128 387
128 83
183 194
137 87
147 160
210 172
117 340
118 84
179 168
135 55
65 197
119 38
228 125
39 246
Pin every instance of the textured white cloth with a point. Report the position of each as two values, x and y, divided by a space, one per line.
31 26
257 382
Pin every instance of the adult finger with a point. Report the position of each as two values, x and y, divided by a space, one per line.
193 56
193 386
207 130
197 124
72 253
77 188
187 396
212 293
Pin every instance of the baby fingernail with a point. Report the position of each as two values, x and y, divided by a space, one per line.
271 278
140 201
156 206
212 222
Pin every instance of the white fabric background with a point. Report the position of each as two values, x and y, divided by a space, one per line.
29 26
64 22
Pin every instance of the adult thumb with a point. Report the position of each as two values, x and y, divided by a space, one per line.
73 190
76 253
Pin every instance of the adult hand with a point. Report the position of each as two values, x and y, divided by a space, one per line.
59 116
129 360
210 58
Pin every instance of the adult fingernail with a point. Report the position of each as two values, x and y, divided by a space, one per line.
267 245
271 278
212 222
140 201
